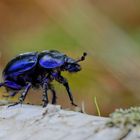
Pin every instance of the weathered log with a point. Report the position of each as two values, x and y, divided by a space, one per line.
30 122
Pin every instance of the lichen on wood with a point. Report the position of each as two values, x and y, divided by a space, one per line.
128 118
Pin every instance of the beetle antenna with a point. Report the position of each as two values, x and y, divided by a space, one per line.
82 58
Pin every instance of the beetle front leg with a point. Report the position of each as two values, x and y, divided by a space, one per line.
45 95
63 81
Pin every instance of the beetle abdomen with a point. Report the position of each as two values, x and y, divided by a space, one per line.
21 64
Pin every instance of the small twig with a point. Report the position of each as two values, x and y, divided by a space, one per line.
97 107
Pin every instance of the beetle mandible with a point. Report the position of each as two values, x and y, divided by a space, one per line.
34 69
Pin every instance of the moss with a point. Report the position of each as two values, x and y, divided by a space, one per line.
125 118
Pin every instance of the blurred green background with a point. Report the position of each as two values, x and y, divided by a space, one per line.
109 31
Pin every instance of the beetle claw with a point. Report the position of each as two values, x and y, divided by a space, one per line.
74 104
16 103
13 104
44 105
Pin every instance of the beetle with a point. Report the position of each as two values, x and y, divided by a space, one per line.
39 69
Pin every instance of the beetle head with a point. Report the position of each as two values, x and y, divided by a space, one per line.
72 65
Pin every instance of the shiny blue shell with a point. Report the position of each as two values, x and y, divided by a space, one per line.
51 59
26 61
21 64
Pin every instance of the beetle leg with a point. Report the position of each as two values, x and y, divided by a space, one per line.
54 94
12 84
23 96
45 95
1 84
12 94
63 81
13 104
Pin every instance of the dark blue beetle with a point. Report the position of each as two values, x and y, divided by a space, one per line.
35 69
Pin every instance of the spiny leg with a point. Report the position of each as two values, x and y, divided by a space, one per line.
53 94
12 94
63 81
23 95
45 94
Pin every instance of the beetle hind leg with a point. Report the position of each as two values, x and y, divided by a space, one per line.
23 96
45 95
1 84
12 94
13 104
54 97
